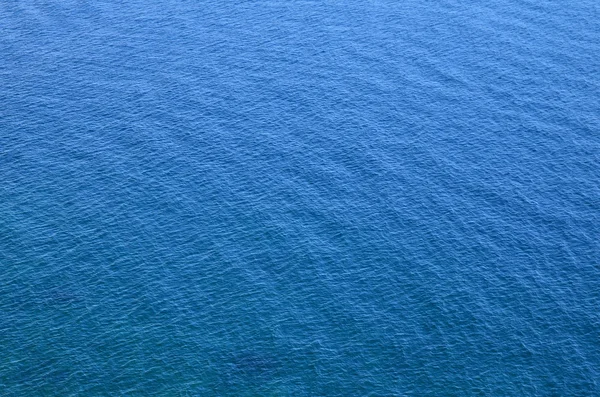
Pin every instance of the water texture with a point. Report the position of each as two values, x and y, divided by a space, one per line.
299 198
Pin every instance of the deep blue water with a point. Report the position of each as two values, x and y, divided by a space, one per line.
300 198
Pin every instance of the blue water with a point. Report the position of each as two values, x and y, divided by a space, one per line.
299 198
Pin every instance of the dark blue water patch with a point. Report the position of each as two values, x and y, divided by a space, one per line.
307 199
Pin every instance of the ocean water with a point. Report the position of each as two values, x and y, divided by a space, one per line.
299 198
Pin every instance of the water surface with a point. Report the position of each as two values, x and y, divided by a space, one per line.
299 198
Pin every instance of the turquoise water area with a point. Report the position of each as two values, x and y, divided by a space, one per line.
299 198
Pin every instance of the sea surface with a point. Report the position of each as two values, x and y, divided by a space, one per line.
299 198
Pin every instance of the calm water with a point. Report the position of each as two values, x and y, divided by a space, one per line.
299 198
